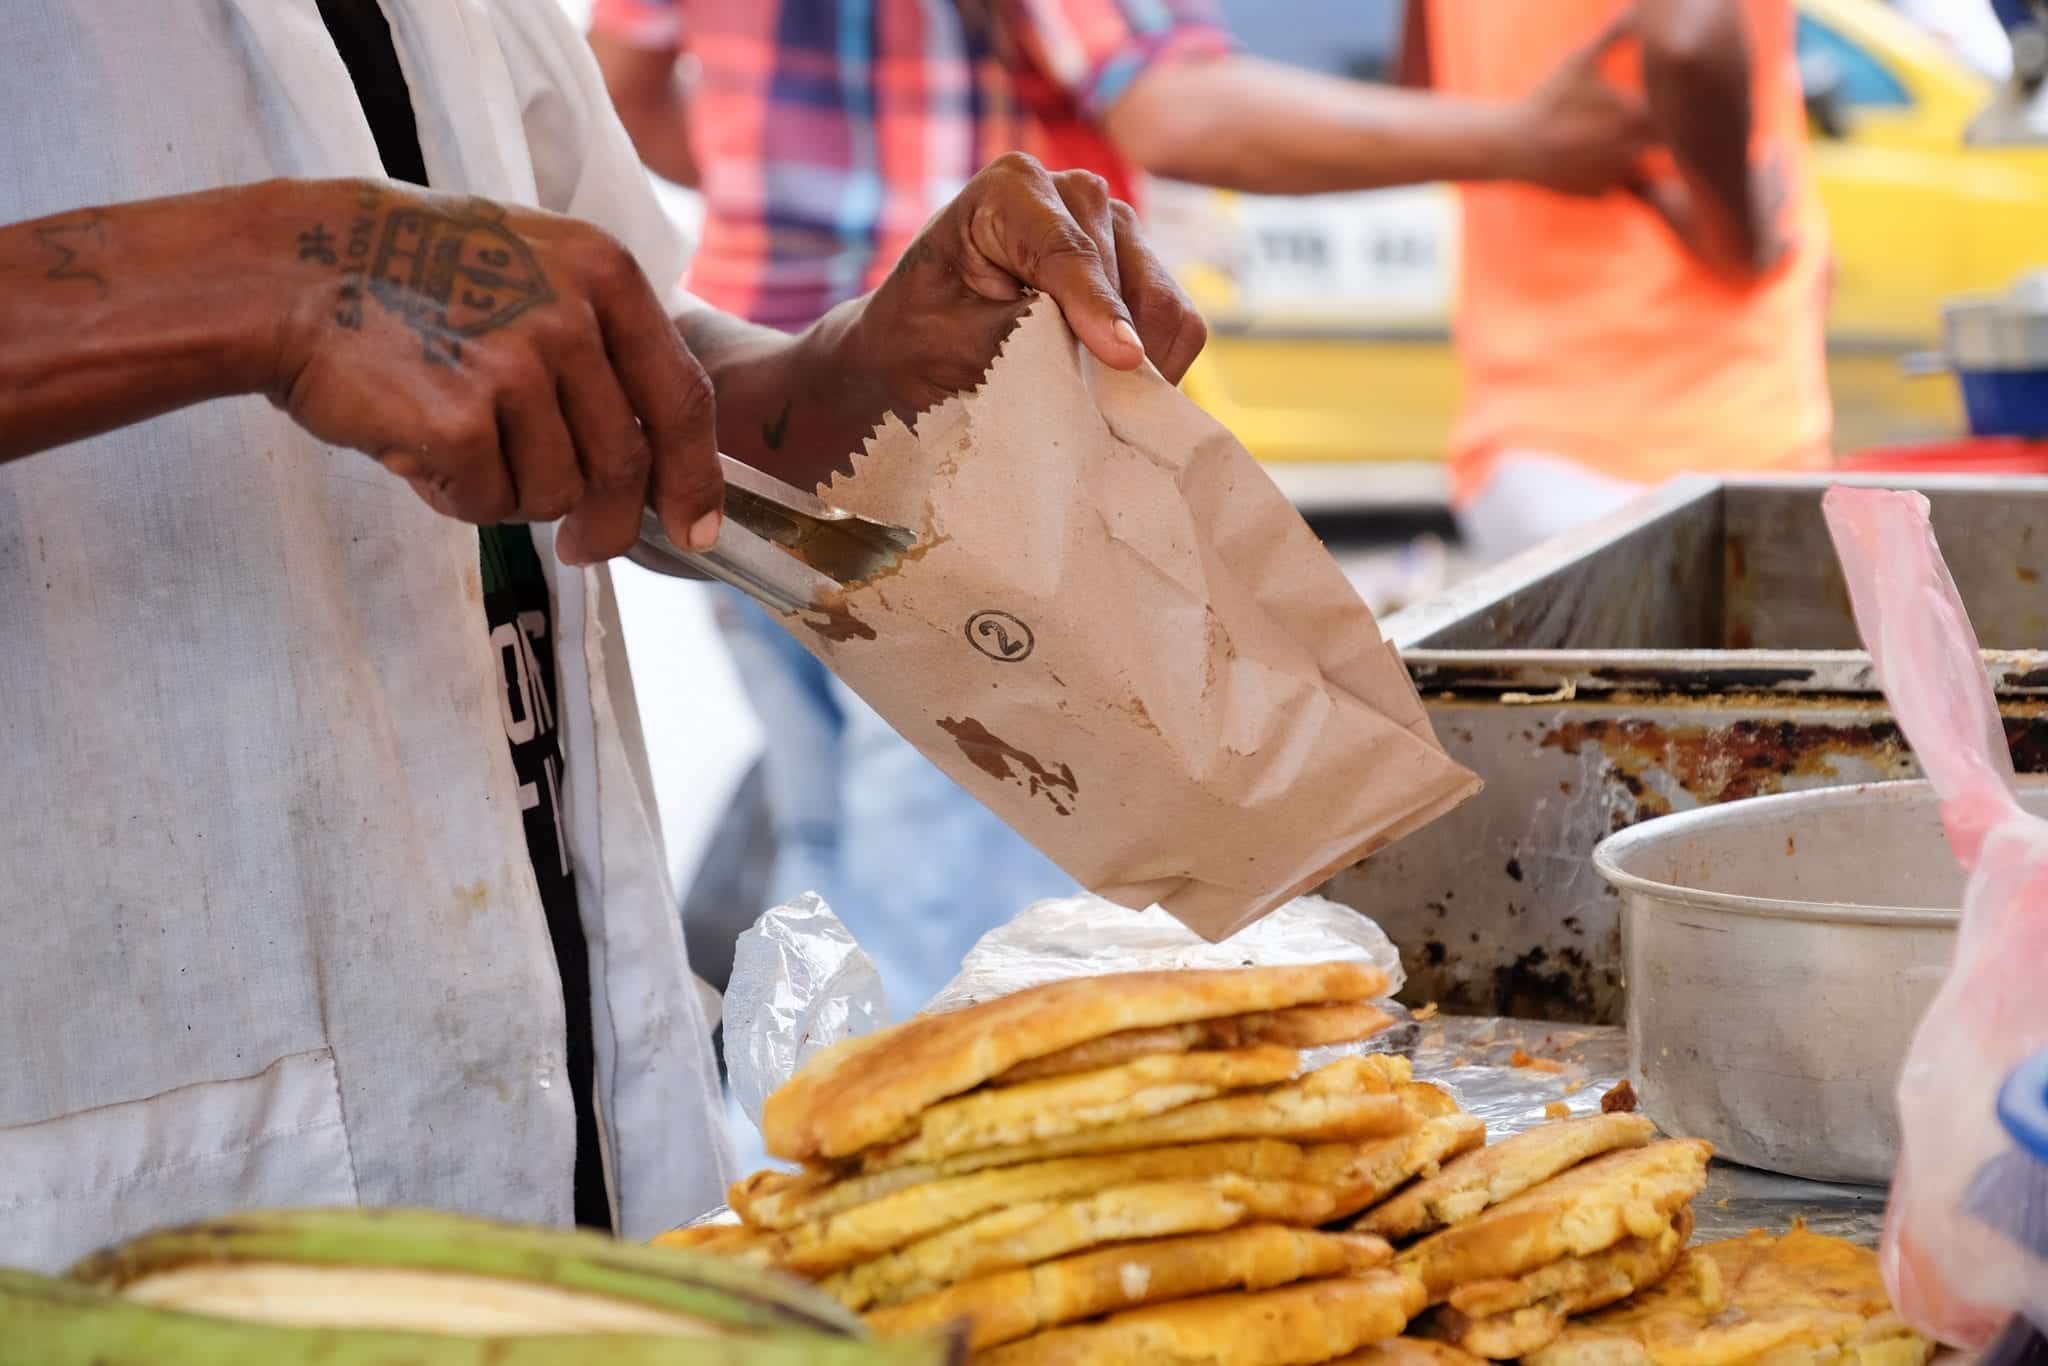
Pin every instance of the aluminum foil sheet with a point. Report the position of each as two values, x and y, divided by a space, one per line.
1515 1074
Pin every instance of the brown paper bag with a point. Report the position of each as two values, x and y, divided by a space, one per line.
1118 634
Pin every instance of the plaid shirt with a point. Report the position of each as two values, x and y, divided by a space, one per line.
828 132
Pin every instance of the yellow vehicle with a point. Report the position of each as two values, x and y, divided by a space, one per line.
1329 314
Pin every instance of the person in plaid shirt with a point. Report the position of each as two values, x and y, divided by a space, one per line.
824 133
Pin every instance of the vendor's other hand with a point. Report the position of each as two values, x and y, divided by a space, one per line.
1742 251
512 365
935 324
1581 134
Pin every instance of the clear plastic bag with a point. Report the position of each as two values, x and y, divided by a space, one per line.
1083 936
799 985
1966 1203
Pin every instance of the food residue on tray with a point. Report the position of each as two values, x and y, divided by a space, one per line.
1522 1058
1622 1098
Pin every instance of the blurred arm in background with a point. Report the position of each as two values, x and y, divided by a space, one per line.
1239 122
638 47
1696 75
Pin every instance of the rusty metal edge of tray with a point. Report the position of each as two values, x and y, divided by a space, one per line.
1582 673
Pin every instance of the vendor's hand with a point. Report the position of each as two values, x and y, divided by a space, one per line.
935 324
1581 134
1743 251
512 365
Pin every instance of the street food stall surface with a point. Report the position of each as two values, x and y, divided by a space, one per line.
1694 649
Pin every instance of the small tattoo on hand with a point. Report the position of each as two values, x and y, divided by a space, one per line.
317 244
348 312
76 243
773 432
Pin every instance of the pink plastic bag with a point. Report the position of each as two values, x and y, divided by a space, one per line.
1953 1251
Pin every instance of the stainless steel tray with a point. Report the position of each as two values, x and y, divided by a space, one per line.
1694 649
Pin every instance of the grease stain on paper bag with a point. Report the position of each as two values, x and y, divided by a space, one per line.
994 756
839 624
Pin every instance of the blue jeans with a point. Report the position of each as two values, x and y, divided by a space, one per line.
914 865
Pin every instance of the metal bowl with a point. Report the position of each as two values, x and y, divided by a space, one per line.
1998 348
1778 953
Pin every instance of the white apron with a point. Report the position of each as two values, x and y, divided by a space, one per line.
271 933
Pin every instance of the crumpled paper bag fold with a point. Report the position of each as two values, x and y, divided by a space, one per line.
1118 634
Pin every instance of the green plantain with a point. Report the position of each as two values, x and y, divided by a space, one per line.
48 1322
722 1297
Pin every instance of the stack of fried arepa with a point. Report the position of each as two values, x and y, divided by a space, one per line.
1135 1168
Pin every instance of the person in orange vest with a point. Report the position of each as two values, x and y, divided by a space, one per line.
1675 324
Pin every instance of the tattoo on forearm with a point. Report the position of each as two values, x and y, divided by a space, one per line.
449 275
773 432
76 244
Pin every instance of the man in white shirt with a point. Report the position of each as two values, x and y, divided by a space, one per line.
273 855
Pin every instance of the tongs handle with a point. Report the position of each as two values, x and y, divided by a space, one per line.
778 544
753 564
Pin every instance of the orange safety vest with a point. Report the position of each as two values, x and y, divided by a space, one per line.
1584 329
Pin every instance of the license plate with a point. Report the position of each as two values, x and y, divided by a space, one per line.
1382 256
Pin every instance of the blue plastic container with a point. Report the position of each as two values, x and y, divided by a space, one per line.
2006 402
1998 348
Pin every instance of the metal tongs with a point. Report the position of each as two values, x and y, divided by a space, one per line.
791 551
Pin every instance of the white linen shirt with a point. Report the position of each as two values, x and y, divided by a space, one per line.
271 934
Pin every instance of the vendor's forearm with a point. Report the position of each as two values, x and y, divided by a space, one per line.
784 405
1697 80
112 315
1240 123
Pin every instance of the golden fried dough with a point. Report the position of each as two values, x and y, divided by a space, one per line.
1582 1284
1509 1319
1312 1321
826 1200
1351 1098
1299 1027
734 1241
1411 1351
1024 1234
1373 1169
1498 1337
1058 1106
868 1089
1427 1099
1635 1192
771 1199
850 1235
1799 1300
703 1235
1013 1304
1355 1173
1506 1169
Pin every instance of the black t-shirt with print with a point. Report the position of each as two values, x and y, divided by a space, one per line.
520 619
